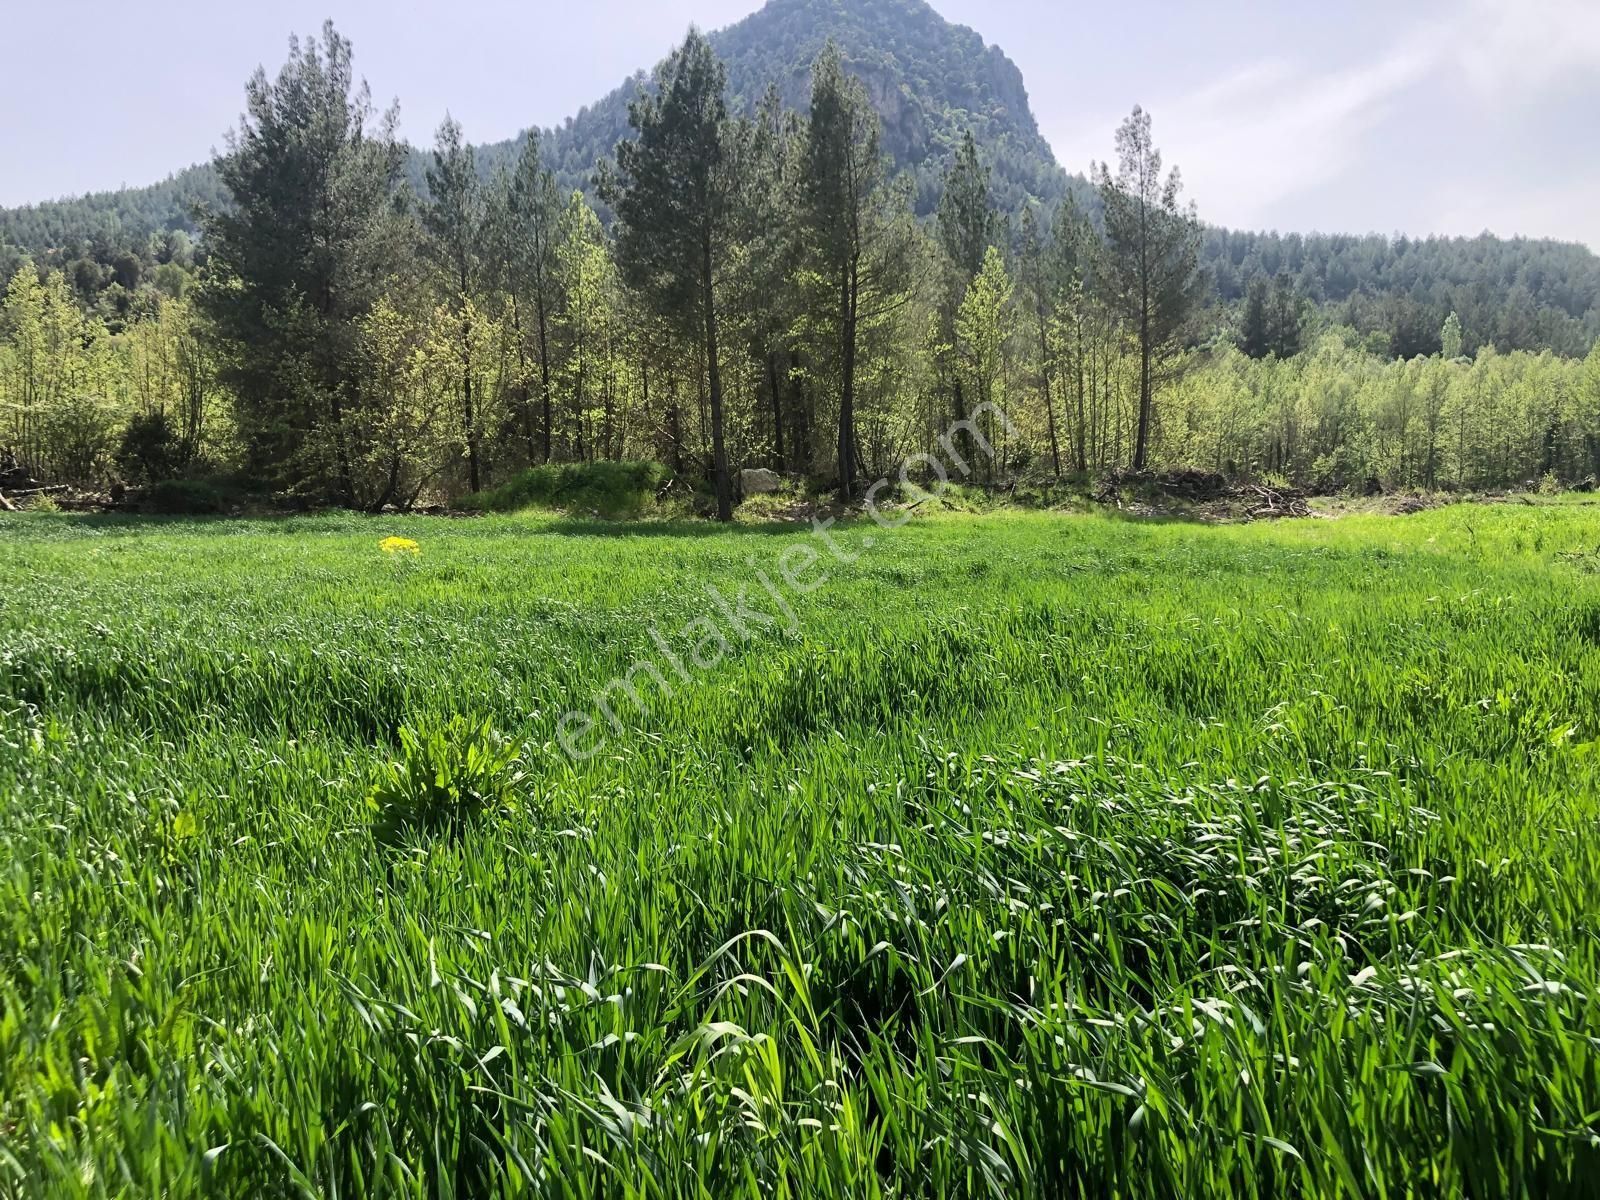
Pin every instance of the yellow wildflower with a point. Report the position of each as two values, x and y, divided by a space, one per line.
399 545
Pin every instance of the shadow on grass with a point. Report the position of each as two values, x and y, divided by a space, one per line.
344 520
676 528
1165 517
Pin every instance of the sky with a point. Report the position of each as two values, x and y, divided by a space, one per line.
1390 116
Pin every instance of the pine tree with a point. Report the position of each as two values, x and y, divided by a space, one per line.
765 288
967 222
967 226
1073 257
677 195
983 325
528 209
584 319
1287 317
854 234
306 249
1255 338
454 218
1155 258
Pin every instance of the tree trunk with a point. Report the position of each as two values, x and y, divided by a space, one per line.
847 394
1049 401
777 409
1141 449
347 486
1142 440
524 392
468 412
675 434
544 370
801 447
719 449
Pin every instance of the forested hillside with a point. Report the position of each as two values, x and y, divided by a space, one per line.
1516 293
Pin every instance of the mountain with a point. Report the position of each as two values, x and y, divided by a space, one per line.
931 81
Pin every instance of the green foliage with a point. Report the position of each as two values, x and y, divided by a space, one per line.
967 222
450 774
1152 265
609 489
981 328
762 295
185 497
852 231
525 222
1052 856
150 450
1337 416
72 390
455 221
300 260
1450 340
1273 318
680 194
1517 293
932 83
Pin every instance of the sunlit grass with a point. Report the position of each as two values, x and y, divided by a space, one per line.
1053 855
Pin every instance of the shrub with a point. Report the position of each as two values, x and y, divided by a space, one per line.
151 449
611 489
184 497
449 774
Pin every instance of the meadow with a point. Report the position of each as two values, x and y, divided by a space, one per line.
1038 855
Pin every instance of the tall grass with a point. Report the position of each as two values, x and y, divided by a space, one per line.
1053 856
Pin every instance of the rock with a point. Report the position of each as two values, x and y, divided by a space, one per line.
759 482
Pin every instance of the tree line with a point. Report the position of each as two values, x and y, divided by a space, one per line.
763 293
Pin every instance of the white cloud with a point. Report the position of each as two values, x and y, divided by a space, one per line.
1269 130
1258 144
1565 211
1515 51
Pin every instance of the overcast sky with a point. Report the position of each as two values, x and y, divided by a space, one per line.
1414 116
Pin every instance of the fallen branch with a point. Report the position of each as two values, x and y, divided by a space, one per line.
6 505
41 491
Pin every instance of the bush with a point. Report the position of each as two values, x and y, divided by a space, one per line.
151 450
448 775
611 489
184 498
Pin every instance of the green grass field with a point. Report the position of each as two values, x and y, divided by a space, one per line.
1038 856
